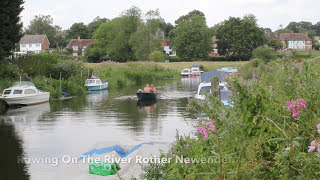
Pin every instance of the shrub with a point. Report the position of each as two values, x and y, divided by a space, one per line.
263 53
9 71
157 56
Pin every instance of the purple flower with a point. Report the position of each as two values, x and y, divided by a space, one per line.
238 93
312 147
292 68
318 149
287 84
289 77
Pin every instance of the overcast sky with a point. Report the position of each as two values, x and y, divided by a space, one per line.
270 13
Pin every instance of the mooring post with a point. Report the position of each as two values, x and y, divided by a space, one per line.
215 86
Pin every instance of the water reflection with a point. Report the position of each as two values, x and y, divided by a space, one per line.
11 150
76 125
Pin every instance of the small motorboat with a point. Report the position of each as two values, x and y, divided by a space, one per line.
205 88
146 96
24 93
228 69
186 72
195 70
95 84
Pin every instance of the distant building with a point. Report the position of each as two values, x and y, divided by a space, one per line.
78 46
214 51
167 49
34 44
296 41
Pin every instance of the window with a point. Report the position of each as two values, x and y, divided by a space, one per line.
7 92
206 89
75 48
38 45
30 45
98 82
23 45
29 91
17 91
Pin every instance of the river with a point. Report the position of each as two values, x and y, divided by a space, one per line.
99 119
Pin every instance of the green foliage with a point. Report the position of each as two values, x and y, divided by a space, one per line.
95 24
275 43
78 30
9 71
264 53
157 56
10 25
239 37
254 132
191 38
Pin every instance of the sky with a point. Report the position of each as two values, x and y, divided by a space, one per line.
270 13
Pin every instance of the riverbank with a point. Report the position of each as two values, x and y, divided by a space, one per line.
265 135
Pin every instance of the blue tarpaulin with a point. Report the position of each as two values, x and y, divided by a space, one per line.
206 76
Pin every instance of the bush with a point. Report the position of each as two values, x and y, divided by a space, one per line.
157 56
9 71
264 53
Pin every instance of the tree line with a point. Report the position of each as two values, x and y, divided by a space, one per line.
135 35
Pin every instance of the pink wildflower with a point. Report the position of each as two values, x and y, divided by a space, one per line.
312 147
212 126
238 93
203 131
318 149
318 126
289 77
294 106
292 68
287 84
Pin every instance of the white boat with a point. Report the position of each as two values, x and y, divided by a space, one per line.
24 93
186 72
205 88
95 84
228 69
196 71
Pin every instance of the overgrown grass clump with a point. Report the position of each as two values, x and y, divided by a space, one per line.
119 75
255 135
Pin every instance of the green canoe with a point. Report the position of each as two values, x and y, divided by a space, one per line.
146 96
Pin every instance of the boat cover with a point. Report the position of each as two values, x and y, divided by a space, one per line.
206 76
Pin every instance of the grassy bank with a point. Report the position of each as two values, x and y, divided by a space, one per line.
208 66
267 134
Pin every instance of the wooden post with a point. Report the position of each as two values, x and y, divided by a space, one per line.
215 89
60 82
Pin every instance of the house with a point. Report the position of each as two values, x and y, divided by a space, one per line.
167 49
214 51
34 44
78 46
296 41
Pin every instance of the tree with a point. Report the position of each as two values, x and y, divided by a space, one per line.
191 38
239 37
10 25
43 24
148 36
94 25
275 43
78 30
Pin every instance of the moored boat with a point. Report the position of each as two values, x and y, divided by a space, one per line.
228 69
95 84
146 96
24 93
186 72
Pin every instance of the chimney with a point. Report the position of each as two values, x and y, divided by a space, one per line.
292 32
78 38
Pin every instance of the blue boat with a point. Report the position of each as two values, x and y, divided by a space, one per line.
95 84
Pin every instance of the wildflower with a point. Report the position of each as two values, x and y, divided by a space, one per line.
312 147
314 87
238 93
186 145
318 148
294 106
212 126
173 154
289 77
203 131
292 68
287 84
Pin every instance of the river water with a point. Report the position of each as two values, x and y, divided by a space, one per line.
99 119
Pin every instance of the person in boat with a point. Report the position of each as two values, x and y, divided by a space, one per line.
153 89
147 89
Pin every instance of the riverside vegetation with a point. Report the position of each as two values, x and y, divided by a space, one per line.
270 132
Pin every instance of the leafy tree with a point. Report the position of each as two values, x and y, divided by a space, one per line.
43 24
188 16
147 38
191 38
10 25
166 27
264 53
251 17
275 43
78 30
157 56
94 25
316 28
239 37
113 36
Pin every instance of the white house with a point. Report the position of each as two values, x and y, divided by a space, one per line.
166 48
296 41
34 44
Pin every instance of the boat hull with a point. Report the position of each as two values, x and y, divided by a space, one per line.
146 96
97 87
27 100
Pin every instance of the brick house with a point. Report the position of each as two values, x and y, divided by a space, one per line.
214 51
296 41
78 46
34 44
